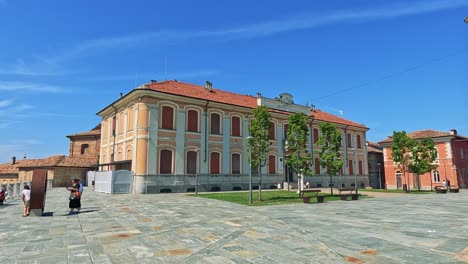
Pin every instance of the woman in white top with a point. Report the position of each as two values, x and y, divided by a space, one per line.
26 197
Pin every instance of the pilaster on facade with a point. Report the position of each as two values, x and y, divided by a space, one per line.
180 142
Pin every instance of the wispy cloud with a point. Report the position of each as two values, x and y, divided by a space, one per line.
302 21
31 87
52 64
5 103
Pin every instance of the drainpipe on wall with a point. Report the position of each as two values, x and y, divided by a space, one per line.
206 131
114 133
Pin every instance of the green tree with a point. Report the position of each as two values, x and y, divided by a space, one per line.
329 144
259 143
424 154
299 158
402 146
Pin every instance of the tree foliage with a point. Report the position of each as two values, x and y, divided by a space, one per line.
424 154
259 143
414 155
299 159
329 144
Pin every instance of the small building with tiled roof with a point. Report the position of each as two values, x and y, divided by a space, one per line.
452 161
173 128
84 156
375 165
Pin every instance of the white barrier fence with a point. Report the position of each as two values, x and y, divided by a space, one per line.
111 182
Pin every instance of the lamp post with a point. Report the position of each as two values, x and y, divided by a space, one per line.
380 178
355 168
197 171
250 169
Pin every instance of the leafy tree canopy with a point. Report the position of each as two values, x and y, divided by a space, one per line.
329 143
300 159
259 141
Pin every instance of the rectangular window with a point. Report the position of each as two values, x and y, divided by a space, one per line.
235 126
271 164
360 168
271 131
114 124
165 162
191 162
348 139
235 163
358 139
350 166
214 163
167 117
316 135
192 121
215 124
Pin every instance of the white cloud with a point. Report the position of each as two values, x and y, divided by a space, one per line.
5 103
53 64
31 87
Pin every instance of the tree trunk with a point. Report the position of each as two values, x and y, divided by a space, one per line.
331 185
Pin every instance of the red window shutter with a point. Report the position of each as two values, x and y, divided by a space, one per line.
316 135
192 121
271 131
165 162
317 166
191 162
358 139
167 117
235 126
350 165
214 163
215 124
271 164
348 139
235 163
360 167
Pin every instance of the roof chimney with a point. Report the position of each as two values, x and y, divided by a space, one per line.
209 86
154 81
13 160
453 132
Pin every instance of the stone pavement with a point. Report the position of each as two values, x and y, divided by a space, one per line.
175 228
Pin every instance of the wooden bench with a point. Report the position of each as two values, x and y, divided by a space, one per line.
348 192
440 189
320 198
454 189
316 191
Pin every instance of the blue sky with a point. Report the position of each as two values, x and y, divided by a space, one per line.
391 65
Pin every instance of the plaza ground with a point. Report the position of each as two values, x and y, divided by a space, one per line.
176 228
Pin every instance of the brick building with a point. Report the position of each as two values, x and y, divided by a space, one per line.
174 129
84 152
376 165
452 161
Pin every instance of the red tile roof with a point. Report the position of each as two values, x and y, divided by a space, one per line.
420 134
199 92
94 132
216 95
324 116
374 147
53 161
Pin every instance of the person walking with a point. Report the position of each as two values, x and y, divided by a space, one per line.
3 195
26 197
75 198
80 189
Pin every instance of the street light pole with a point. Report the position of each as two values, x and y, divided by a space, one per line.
197 171
250 169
